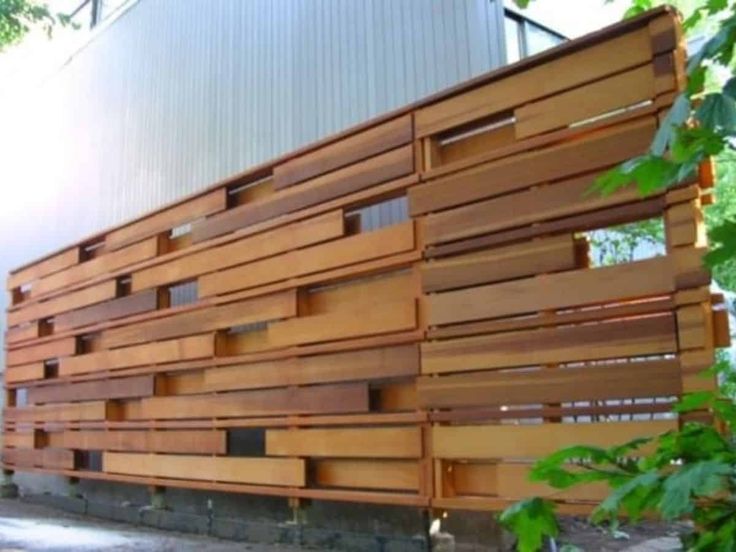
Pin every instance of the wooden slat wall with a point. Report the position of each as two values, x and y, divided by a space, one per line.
427 362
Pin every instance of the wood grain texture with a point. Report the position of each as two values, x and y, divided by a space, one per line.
259 309
173 350
97 266
533 441
394 442
367 474
168 218
49 265
251 248
118 388
351 250
46 351
566 72
73 300
640 279
175 442
608 340
349 150
263 471
495 265
323 399
129 305
592 152
359 176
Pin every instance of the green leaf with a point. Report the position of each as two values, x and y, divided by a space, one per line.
694 401
632 496
531 520
692 480
717 112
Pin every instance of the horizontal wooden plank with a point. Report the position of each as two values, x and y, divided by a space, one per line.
595 99
637 210
46 351
532 441
654 378
543 203
591 152
511 481
25 332
351 250
289 472
24 372
349 150
67 412
173 350
259 309
59 459
381 442
367 474
608 340
323 399
564 72
359 176
118 388
384 362
640 279
105 263
16 439
495 265
381 318
168 218
175 442
37 270
70 301
121 307
266 244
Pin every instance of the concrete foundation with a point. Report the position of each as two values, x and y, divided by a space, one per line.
312 524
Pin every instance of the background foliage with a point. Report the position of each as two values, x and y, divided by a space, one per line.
19 17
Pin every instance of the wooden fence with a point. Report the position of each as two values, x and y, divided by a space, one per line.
260 337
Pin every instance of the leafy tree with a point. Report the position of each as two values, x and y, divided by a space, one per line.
689 473
19 17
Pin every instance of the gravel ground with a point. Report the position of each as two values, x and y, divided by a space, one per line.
32 527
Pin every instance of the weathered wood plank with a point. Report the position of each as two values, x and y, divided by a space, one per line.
357 147
382 442
288 472
24 372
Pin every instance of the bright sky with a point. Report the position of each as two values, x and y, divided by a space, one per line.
575 17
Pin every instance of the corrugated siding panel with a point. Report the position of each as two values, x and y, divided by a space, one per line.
176 95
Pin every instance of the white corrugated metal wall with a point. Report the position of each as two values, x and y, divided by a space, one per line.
177 94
